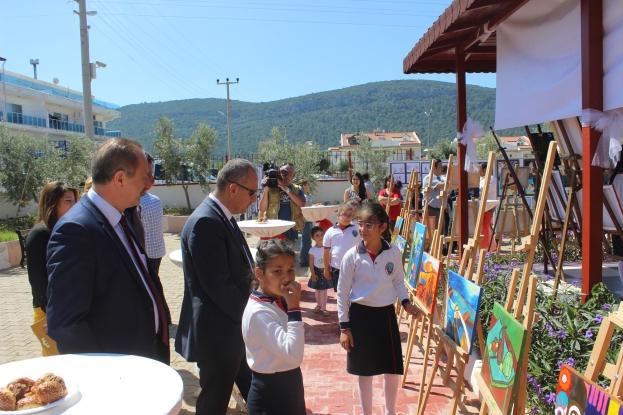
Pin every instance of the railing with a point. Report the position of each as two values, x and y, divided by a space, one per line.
19 118
67 126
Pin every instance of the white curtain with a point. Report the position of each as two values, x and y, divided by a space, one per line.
539 62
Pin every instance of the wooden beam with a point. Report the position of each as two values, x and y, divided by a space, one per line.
461 118
592 176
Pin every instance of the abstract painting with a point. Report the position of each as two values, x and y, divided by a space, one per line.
462 302
415 259
502 357
576 394
427 281
397 228
401 243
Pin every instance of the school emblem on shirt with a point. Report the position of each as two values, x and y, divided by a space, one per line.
389 268
354 233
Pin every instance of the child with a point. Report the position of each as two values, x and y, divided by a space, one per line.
338 239
317 280
371 277
274 335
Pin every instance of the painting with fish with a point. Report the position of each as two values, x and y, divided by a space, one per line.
462 302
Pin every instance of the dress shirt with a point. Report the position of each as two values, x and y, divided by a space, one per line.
113 216
274 339
372 283
151 216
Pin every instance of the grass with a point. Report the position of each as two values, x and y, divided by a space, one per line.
7 236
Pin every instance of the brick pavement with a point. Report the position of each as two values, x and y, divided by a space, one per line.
328 388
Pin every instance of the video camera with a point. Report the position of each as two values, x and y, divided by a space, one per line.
273 174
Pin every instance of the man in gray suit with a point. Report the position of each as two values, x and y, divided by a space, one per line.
218 269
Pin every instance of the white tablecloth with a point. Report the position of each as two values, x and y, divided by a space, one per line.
176 257
268 229
107 383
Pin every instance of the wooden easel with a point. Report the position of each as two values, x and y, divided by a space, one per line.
509 205
408 210
526 295
426 192
438 236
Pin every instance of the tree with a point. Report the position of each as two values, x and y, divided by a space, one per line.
371 160
198 152
442 149
486 144
167 149
276 149
73 163
26 164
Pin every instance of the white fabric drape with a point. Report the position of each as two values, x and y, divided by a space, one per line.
539 62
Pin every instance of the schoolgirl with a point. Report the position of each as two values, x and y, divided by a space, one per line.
338 239
274 335
317 281
371 278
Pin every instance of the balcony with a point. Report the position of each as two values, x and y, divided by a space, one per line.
54 124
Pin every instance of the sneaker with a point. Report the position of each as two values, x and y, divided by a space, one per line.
317 309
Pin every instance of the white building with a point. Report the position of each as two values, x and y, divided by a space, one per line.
41 108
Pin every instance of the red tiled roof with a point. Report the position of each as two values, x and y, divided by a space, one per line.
470 23
400 137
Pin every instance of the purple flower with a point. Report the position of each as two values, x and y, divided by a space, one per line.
562 334
606 307
550 398
598 318
588 334
571 361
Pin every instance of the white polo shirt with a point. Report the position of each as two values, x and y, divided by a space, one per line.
372 283
318 255
274 339
340 241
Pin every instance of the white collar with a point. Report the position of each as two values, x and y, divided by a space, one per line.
109 211
226 211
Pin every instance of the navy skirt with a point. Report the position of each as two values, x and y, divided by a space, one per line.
321 282
278 393
377 341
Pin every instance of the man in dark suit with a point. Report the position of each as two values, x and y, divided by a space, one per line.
218 269
101 295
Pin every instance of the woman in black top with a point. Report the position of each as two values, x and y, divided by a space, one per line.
55 200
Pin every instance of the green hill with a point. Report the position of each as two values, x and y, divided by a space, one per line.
320 117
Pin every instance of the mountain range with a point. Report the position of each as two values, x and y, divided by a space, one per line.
320 117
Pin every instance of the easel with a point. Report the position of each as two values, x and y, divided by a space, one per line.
438 236
407 211
453 350
509 205
522 194
526 295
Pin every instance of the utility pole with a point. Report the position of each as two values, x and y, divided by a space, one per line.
3 108
428 114
87 99
227 83
34 63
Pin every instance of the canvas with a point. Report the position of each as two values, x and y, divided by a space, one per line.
462 302
397 228
576 394
502 357
401 243
427 281
415 259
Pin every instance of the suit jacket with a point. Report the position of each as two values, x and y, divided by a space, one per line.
97 301
217 278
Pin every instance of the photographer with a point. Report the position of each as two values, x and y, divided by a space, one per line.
281 199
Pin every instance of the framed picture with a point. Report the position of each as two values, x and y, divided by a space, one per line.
415 259
462 302
401 243
427 282
397 228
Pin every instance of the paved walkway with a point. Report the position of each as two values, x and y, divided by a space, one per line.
328 388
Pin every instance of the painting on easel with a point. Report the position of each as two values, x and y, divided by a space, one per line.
415 259
462 301
397 228
426 284
575 394
503 353
401 243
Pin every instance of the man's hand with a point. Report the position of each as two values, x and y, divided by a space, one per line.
346 340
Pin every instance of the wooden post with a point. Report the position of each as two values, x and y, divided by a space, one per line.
592 98
350 166
461 118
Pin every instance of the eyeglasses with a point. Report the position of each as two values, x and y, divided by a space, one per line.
252 192
367 225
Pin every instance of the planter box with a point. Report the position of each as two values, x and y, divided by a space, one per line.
173 224
10 254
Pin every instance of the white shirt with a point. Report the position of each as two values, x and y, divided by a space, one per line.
374 284
318 254
113 216
492 192
224 209
340 241
274 340
151 216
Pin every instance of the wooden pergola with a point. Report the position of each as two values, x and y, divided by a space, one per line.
463 39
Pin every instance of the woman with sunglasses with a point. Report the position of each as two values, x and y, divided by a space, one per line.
371 278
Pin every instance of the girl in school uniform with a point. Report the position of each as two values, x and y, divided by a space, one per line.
317 281
274 335
338 239
371 278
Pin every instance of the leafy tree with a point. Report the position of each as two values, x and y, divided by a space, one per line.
442 149
276 149
371 160
198 152
485 145
73 166
167 149
26 164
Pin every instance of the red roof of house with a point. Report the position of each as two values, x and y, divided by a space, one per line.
399 137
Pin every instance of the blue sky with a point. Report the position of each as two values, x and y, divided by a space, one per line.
160 50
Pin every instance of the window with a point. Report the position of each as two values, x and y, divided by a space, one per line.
14 113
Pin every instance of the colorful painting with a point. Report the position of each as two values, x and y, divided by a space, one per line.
503 353
401 243
462 302
415 259
427 281
576 394
397 228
